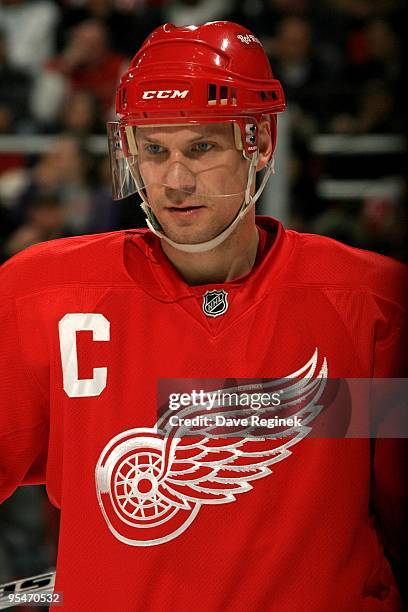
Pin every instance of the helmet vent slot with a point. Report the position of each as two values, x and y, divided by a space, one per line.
268 95
212 93
221 94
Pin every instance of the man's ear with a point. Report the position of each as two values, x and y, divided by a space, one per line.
265 143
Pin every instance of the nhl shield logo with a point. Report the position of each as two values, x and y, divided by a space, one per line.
215 303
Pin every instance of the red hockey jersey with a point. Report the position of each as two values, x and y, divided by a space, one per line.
90 324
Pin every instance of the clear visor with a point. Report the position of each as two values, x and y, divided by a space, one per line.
190 161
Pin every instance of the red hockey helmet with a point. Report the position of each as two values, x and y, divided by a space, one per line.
215 72
211 70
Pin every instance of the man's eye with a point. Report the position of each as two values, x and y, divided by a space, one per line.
154 148
202 147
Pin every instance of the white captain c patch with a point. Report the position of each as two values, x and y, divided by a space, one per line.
68 327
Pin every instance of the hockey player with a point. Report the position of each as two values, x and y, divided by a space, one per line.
92 324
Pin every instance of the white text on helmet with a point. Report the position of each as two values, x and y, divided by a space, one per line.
164 93
248 38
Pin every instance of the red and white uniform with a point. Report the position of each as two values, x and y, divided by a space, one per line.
90 324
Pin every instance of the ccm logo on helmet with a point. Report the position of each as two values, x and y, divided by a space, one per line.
164 93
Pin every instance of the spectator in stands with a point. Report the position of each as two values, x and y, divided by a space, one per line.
373 52
14 93
337 221
87 63
383 226
44 221
81 115
128 21
265 15
43 177
363 9
297 64
105 213
8 160
30 27
74 167
375 112
65 169
374 68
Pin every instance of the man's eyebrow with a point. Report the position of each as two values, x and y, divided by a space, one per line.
149 139
209 134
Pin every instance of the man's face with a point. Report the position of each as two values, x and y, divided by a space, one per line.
185 170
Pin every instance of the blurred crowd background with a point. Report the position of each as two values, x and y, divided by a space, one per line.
340 62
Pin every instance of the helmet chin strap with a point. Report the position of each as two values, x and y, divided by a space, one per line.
246 205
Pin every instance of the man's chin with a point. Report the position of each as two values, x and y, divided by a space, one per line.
187 236
181 238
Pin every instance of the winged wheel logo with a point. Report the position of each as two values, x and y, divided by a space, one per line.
152 482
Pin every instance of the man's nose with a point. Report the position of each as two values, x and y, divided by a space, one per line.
179 178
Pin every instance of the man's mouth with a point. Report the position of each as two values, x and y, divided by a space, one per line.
184 210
